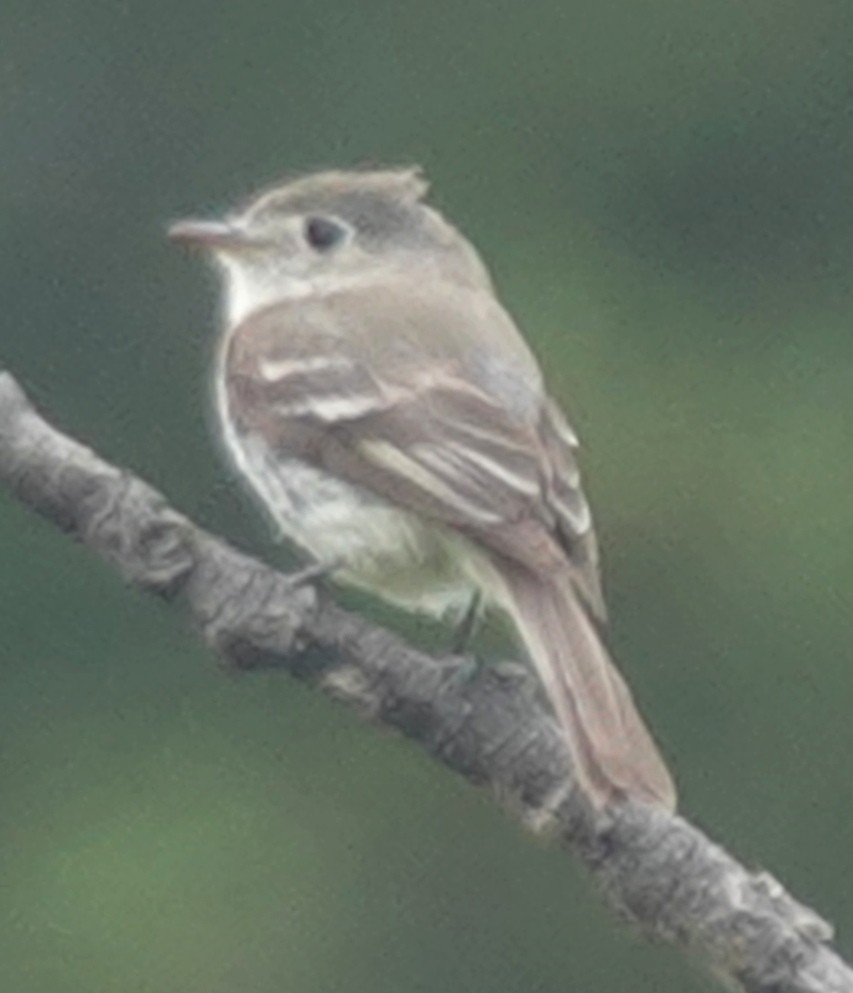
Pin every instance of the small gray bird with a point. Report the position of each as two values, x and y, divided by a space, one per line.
384 407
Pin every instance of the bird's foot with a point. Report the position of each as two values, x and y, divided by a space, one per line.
467 626
313 574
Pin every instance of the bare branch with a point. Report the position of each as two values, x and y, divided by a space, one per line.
658 871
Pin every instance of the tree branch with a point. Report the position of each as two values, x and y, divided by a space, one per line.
658 871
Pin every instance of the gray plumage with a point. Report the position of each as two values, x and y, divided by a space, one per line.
382 403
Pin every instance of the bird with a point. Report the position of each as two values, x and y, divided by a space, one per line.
382 405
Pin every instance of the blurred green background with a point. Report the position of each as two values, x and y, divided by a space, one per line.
663 193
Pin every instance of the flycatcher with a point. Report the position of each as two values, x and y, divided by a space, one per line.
385 409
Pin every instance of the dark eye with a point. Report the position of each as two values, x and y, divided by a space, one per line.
322 233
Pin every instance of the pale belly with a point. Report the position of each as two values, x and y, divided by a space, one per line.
380 547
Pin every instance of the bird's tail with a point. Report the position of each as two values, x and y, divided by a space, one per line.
613 752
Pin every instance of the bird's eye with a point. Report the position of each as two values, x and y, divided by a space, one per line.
322 233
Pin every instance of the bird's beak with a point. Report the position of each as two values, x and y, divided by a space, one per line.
211 235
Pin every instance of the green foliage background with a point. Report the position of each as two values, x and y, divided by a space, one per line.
663 192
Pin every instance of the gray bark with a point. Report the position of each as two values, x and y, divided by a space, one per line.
656 870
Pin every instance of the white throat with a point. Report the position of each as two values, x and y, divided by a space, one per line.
248 289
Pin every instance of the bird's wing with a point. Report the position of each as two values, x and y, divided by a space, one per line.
417 429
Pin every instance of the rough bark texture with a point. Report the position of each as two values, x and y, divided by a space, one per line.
656 870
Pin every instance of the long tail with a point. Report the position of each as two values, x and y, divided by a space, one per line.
613 752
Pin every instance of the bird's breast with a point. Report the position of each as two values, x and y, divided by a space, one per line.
380 547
